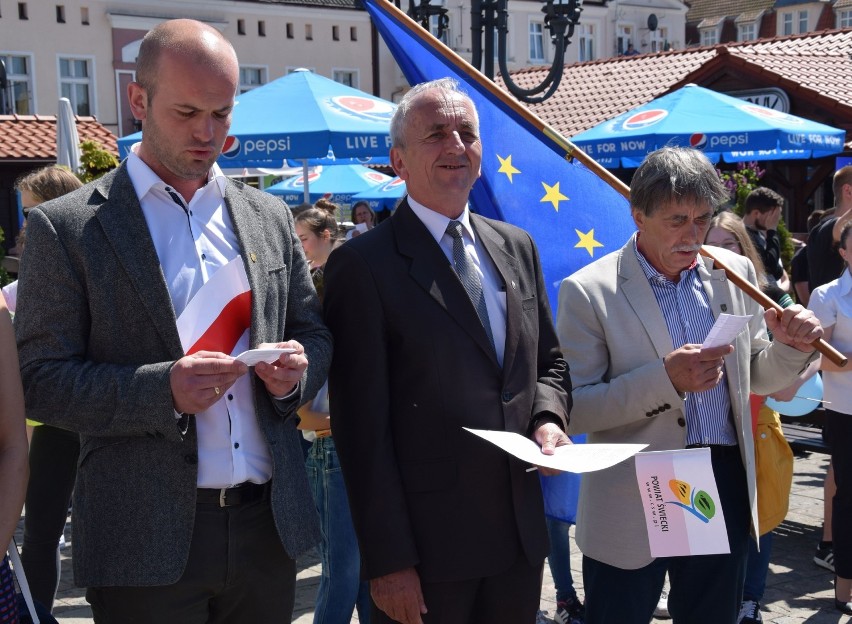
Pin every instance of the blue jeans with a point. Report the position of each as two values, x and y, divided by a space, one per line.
340 588
757 567
559 559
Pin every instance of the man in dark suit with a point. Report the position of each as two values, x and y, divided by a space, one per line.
441 321
192 501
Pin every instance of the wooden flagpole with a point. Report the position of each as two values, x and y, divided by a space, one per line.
768 304
572 151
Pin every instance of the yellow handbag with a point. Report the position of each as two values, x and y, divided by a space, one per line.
774 461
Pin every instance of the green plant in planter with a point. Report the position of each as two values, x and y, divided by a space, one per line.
742 181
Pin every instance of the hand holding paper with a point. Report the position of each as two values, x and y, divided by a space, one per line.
568 458
282 375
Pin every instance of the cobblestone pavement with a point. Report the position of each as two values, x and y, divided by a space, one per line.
797 590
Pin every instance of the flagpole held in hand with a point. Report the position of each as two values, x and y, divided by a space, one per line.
768 304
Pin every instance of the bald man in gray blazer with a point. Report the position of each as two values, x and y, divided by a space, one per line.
192 500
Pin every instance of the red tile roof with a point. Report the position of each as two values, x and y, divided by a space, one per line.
816 66
702 9
33 137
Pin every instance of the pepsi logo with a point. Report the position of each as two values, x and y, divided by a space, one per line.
231 147
769 113
698 140
374 176
364 108
637 121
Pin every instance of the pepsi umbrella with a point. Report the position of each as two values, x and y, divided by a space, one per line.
383 196
720 125
339 183
301 116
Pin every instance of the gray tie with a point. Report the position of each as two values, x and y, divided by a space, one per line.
466 270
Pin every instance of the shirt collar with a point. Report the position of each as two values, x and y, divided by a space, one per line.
144 179
437 223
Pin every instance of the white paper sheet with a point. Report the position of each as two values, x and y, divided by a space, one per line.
725 329
571 458
253 356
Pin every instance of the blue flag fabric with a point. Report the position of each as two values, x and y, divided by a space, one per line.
573 215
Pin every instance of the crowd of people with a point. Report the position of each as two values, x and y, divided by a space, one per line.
198 480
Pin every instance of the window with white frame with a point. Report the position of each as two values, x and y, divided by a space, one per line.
18 94
349 77
586 41
536 42
657 39
251 77
803 22
709 36
746 31
623 38
844 18
75 83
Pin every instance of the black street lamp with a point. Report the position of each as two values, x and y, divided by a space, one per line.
490 17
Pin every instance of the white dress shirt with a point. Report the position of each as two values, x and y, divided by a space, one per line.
832 304
192 242
495 296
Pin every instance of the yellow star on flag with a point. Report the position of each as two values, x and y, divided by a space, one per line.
506 167
587 241
553 195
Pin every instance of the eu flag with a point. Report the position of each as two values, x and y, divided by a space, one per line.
572 214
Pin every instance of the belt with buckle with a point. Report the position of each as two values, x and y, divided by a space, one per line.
230 497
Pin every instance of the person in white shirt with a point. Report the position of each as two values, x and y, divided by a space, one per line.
832 304
192 502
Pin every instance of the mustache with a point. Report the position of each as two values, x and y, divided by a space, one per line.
686 248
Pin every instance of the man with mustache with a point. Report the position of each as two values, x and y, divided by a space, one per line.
192 501
631 327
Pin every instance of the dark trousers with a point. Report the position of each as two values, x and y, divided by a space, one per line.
705 589
510 597
53 470
237 572
840 437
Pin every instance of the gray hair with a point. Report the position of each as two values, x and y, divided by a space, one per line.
449 86
675 175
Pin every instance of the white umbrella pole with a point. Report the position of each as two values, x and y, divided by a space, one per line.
307 198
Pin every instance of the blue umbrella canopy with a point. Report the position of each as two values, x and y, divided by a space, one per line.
720 125
339 183
302 116
383 196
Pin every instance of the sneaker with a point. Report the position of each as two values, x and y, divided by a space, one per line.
824 558
662 608
541 618
570 611
750 613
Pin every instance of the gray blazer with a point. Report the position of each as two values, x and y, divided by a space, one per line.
97 337
614 338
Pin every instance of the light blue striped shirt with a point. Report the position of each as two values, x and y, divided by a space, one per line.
688 318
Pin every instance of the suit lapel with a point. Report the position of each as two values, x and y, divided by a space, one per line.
718 292
641 298
509 270
248 227
430 269
124 225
